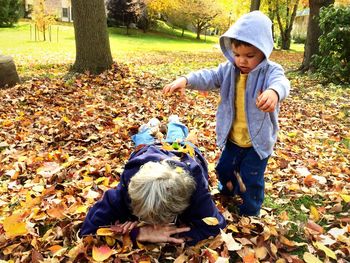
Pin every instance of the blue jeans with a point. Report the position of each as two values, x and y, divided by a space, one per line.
176 132
251 168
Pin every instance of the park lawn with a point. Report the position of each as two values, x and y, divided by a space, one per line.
164 53
20 43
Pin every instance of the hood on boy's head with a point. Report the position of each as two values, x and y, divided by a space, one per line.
254 28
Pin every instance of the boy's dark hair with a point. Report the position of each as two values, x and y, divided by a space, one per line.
238 43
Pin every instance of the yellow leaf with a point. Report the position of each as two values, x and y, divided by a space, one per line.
108 168
188 149
66 119
261 252
233 228
309 258
179 170
326 250
314 213
101 253
14 225
110 241
292 134
346 198
167 147
104 232
211 221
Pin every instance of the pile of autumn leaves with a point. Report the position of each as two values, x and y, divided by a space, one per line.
63 142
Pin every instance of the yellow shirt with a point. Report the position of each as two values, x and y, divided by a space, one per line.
239 132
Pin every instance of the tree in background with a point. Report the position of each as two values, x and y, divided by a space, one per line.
313 32
333 58
202 13
254 5
42 19
93 51
125 12
285 12
9 12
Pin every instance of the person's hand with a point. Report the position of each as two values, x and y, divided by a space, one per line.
161 234
124 227
177 85
267 101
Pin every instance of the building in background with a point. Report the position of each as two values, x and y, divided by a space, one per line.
61 9
300 25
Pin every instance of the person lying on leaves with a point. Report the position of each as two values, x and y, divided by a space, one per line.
163 193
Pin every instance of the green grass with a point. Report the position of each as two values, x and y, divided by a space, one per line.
20 43
292 207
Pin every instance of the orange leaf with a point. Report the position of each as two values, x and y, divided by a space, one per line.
287 242
57 211
55 248
101 253
249 258
14 225
309 180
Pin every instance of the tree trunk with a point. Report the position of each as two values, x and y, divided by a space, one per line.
313 33
199 29
93 52
254 5
286 33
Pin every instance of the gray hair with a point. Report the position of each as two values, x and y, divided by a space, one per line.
159 192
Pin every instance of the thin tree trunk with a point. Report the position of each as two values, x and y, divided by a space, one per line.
254 5
199 29
286 36
313 33
93 52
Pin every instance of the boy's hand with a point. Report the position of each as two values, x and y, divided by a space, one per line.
177 85
161 234
267 101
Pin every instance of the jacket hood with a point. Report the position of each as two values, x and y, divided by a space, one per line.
254 28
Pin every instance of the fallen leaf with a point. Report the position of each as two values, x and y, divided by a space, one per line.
211 221
101 253
309 258
15 225
231 244
104 232
325 249
261 252
315 227
314 213
345 197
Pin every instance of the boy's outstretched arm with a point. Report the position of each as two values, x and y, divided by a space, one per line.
177 85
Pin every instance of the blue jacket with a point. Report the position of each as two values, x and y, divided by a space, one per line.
254 28
115 204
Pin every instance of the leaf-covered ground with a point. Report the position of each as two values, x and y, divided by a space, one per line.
64 141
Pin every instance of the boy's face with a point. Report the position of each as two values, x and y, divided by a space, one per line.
247 57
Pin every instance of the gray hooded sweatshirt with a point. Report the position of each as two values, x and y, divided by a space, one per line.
254 28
